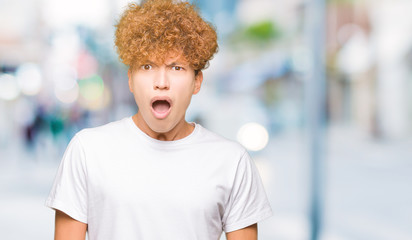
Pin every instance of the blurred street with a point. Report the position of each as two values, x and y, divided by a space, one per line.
284 70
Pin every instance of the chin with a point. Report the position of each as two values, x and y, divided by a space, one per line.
161 127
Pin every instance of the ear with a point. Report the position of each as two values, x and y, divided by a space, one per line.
129 74
198 82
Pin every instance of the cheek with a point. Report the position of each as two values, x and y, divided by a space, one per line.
186 94
139 93
186 87
139 87
186 97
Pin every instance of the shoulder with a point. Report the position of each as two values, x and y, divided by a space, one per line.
216 142
107 132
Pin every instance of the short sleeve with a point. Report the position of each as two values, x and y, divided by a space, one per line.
69 191
248 203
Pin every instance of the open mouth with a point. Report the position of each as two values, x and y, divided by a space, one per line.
161 107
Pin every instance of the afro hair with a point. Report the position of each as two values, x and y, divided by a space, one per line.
157 28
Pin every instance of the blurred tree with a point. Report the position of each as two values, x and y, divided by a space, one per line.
260 34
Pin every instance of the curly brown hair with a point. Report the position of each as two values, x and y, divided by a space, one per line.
156 28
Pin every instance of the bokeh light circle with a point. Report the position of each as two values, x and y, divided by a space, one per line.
67 96
253 136
9 89
29 78
64 77
91 88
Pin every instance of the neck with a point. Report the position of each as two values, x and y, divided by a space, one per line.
181 130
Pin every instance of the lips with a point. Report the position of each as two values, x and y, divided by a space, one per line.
161 106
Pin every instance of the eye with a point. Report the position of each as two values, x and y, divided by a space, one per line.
177 68
146 67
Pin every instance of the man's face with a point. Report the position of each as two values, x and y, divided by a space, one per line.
163 91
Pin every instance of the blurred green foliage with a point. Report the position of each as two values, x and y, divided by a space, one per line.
259 33
262 31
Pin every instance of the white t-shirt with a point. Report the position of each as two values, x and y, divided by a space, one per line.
127 185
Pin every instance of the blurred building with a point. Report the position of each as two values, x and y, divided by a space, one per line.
59 73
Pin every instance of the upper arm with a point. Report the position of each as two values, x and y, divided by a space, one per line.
67 228
247 233
247 203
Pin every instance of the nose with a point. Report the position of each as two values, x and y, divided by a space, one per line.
161 81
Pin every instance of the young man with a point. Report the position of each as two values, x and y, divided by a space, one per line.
154 175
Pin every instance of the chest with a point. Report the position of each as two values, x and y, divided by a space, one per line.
151 183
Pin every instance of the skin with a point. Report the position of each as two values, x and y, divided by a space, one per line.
174 79
177 80
247 233
66 228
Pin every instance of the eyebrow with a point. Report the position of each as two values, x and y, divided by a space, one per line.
175 63
149 62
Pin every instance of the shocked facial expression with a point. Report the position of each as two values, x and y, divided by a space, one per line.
163 92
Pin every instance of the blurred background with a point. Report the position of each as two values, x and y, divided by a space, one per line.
59 73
